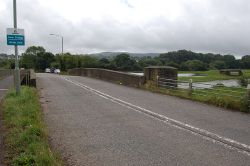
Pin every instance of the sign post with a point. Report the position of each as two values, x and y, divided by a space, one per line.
16 37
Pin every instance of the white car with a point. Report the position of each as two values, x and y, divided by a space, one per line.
57 71
47 70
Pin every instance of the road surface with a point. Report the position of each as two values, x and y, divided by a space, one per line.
93 122
5 84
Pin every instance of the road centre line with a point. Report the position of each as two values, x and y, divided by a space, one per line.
4 89
215 138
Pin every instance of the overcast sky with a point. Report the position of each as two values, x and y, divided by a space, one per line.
89 26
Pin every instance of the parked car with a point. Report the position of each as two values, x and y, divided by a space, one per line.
47 70
52 70
57 71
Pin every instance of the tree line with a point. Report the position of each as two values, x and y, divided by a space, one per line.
38 58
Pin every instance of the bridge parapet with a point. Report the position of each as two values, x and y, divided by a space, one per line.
109 75
28 77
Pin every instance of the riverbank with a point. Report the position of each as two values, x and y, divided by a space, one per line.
211 75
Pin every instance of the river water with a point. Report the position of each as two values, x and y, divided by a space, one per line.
209 84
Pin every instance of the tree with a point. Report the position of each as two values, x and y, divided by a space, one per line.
44 60
6 63
104 63
34 50
245 62
148 61
230 61
218 64
194 65
173 64
124 62
182 56
36 57
89 61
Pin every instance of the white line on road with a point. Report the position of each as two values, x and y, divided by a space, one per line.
3 89
215 138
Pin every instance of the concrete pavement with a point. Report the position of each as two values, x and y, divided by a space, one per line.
110 127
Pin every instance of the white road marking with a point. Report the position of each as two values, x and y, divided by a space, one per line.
215 138
3 89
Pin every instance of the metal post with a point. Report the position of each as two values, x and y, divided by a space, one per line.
157 81
248 96
17 71
190 87
62 45
52 34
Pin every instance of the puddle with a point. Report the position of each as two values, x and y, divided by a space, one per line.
179 75
191 75
210 84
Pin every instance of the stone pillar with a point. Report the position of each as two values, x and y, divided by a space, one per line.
169 74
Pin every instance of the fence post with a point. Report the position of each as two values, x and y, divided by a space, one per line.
157 81
190 89
248 96
26 79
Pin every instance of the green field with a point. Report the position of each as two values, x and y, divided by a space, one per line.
210 75
25 140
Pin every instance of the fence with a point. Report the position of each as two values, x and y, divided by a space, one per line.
233 97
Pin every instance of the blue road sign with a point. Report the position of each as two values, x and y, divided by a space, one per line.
15 40
15 37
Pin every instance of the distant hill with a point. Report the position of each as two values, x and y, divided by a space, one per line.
112 54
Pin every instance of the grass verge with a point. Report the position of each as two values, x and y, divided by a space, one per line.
25 137
214 96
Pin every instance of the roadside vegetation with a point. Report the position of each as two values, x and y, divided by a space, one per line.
26 141
212 96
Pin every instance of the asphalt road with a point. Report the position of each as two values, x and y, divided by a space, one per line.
93 122
5 84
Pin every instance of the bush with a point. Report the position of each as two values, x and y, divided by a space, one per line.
243 81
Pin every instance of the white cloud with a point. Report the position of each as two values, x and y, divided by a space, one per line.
132 25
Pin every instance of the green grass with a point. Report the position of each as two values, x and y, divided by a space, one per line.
25 137
227 97
230 98
210 75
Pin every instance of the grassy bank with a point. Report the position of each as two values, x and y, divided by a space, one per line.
213 96
210 75
25 133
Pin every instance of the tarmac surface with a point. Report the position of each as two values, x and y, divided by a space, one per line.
93 122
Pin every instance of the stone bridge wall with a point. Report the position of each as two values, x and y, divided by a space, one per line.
109 75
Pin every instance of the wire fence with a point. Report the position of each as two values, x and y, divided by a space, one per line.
206 90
